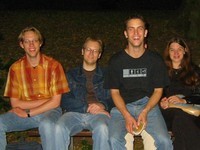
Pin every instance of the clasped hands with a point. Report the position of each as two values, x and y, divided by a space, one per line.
97 108
133 125
164 103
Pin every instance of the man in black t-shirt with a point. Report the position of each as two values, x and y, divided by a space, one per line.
136 79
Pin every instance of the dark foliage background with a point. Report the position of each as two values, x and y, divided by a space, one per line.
91 4
66 23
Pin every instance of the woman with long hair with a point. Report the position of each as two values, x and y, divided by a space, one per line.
184 88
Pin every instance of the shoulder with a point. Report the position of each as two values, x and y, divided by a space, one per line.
155 56
53 63
196 68
74 71
49 59
117 56
101 69
17 64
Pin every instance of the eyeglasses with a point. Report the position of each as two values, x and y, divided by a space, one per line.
91 50
26 41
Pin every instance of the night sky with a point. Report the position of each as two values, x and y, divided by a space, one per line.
90 4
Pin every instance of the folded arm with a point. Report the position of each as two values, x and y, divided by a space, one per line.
36 107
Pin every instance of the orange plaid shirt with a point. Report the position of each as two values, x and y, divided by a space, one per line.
42 82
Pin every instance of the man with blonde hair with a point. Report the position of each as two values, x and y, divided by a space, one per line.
34 85
87 105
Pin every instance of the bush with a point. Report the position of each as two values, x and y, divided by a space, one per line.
4 67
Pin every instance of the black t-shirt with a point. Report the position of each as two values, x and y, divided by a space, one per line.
136 77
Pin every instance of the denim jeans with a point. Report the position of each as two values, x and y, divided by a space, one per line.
45 122
72 123
156 126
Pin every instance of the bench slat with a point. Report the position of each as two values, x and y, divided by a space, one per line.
84 133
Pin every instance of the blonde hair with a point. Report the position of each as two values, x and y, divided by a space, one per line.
95 39
33 29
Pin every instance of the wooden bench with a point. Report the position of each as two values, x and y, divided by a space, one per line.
84 133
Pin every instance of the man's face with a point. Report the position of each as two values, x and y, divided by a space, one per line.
30 44
91 52
135 32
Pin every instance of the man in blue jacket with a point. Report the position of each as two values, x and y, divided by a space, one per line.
87 104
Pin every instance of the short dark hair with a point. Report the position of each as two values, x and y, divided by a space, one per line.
136 16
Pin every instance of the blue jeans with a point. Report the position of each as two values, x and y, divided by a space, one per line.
45 123
72 123
156 126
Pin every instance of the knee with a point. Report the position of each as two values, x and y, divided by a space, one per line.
118 142
2 126
113 140
115 137
101 128
60 128
46 126
163 140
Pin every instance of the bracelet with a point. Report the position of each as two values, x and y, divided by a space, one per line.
188 102
28 113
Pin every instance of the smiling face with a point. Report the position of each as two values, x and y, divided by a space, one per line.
176 53
91 53
31 44
135 32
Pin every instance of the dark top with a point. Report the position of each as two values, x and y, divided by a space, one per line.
178 87
76 99
91 98
136 77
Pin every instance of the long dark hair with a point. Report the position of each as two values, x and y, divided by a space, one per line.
188 74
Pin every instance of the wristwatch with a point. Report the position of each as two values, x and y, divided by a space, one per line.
28 112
